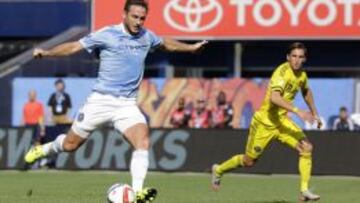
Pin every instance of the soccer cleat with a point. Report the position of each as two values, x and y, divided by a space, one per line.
307 195
215 178
147 195
34 154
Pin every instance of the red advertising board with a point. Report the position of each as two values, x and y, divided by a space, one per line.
243 19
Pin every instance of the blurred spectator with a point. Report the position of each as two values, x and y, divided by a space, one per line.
60 104
33 115
356 120
331 120
180 117
314 126
343 122
200 116
222 114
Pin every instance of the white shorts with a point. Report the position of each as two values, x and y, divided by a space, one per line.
100 109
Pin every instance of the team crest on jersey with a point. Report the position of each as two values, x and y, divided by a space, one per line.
257 149
288 87
80 117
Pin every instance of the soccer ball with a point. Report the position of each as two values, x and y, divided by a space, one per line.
120 193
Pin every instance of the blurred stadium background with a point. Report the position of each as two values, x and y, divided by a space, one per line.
248 39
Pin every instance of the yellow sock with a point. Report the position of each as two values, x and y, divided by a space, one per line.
230 164
305 164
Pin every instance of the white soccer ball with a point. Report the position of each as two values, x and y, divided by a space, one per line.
120 193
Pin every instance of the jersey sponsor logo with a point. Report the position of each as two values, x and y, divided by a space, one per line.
194 15
257 149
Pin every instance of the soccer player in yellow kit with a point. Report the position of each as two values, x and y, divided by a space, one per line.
271 122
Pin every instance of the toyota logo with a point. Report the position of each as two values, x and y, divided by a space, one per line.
193 15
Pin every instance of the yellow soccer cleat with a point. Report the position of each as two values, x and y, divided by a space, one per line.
34 154
147 195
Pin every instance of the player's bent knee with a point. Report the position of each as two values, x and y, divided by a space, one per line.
144 143
307 147
141 144
249 162
138 136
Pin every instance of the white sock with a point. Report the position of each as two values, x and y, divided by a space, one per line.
55 146
138 168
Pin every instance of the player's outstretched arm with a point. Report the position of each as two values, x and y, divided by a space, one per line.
172 45
278 100
309 99
64 49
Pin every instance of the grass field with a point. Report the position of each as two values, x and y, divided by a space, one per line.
90 187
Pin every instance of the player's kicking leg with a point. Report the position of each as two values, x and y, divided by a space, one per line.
67 143
138 136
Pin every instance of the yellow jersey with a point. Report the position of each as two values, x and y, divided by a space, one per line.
288 84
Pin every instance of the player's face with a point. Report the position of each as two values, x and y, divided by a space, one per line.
134 19
296 59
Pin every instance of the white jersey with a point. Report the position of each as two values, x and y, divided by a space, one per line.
122 58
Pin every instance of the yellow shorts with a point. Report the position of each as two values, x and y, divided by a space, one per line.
260 136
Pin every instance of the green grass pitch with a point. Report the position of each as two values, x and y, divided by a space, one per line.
90 187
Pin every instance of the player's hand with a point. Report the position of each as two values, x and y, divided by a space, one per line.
199 46
306 116
38 53
318 121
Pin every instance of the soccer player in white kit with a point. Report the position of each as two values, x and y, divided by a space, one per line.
123 49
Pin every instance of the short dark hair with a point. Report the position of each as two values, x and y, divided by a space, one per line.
59 81
343 108
297 45
130 3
